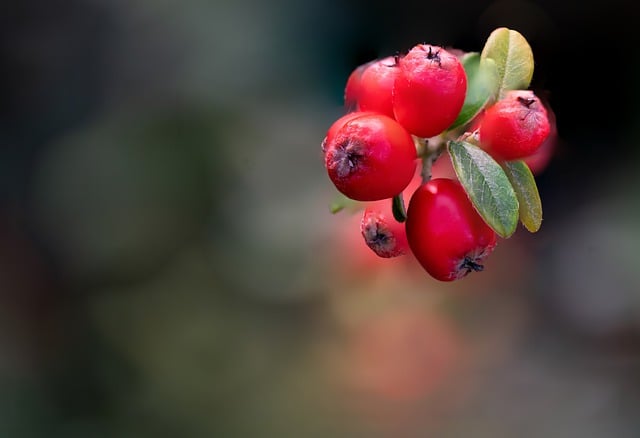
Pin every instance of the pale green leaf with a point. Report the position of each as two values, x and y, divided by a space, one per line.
513 57
487 186
526 190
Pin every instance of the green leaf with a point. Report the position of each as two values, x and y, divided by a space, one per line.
527 192
482 84
513 57
487 186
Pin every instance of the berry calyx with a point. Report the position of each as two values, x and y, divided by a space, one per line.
515 126
445 233
370 157
338 124
429 90
383 234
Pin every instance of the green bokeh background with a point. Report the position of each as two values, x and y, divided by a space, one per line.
169 266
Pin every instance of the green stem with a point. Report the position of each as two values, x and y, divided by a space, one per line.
398 209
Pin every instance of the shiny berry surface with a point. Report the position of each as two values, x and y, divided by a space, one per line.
445 233
370 158
515 126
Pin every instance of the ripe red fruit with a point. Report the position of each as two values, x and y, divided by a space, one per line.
445 233
371 157
382 233
376 86
429 90
541 158
353 87
515 126
338 124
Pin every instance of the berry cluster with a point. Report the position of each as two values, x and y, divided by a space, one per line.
407 112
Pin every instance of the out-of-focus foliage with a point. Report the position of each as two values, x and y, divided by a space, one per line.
169 266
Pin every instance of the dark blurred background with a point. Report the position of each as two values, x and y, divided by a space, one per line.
169 266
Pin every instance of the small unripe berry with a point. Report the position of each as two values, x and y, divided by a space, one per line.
445 233
429 90
371 157
515 126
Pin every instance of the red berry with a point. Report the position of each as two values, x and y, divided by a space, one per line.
376 86
515 126
429 90
353 87
338 124
371 157
382 233
445 233
541 158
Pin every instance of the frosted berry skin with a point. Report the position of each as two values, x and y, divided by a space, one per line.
445 233
370 158
429 90
384 235
515 126
376 86
338 124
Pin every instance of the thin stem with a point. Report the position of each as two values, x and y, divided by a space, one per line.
422 145
398 208
427 163
429 151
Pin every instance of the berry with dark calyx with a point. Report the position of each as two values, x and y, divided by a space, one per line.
338 124
382 233
445 233
371 157
515 126
429 90
376 86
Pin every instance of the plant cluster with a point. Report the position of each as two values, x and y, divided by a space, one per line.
407 112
